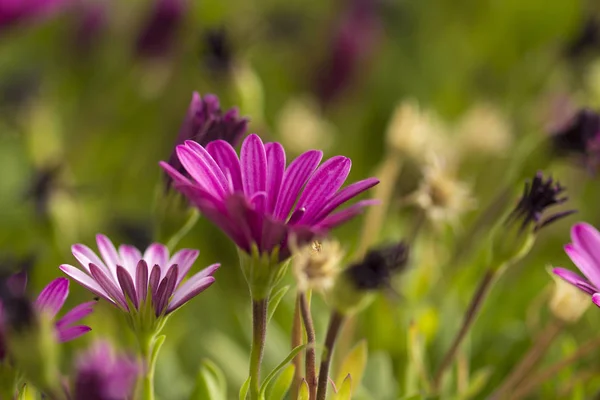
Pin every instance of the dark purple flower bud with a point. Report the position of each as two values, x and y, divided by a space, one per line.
101 374
353 42
16 12
376 270
217 51
205 122
159 33
586 40
580 138
538 196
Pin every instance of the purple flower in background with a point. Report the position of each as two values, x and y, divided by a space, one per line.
14 12
584 251
133 281
352 44
101 374
205 122
580 138
258 201
159 33
49 302
90 24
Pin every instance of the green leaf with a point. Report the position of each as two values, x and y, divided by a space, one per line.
269 378
345 391
244 389
210 383
28 393
303 393
282 383
275 300
354 364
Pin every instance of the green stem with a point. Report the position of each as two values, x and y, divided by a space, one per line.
259 334
189 224
311 341
150 349
335 324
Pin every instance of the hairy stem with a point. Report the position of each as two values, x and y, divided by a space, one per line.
335 323
297 340
471 314
311 340
259 334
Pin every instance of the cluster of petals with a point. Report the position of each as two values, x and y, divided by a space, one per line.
127 278
258 201
584 251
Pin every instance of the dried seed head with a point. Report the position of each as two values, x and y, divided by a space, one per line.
317 264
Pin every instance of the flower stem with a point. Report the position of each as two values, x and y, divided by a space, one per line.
311 340
335 323
471 314
539 347
259 334
297 340
149 350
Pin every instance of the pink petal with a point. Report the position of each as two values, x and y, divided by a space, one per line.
109 254
73 332
157 254
130 256
174 174
574 279
324 183
165 290
109 286
85 280
189 289
184 259
141 281
86 256
75 314
53 297
340 217
585 265
127 285
294 178
153 282
245 218
596 299
201 166
225 156
253 161
275 171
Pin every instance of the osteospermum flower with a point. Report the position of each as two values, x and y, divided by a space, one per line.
14 12
49 302
136 283
258 201
584 251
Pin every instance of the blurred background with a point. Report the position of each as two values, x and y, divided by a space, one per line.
93 93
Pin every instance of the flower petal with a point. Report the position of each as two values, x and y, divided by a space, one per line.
275 170
253 160
85 280
141 281
153 282
109 254
173 173
127 285
109 286
75 314
201 166
346 214
53 297
225 156
596 299
294 178
191 288
585 265
130 256
157 254
72 332
184 259
86 256
324 183
165 290
574 279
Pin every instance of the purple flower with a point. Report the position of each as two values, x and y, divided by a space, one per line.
158 34
132 281
13 12
257 201
584 251
205 122
49 302
103 375
580 138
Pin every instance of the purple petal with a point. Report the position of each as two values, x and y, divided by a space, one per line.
53 297
315 215
247 220
225 156
294 178
324 183
596 299
157 254
72 332
275 171
127 285
141 281
174 174
201 166
75 314
130 256
574 279
86 256
192 287
184 259
274 233
153 283
109 286
109 254
586 241
165 290
340 217
253 161
584 264
85 280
